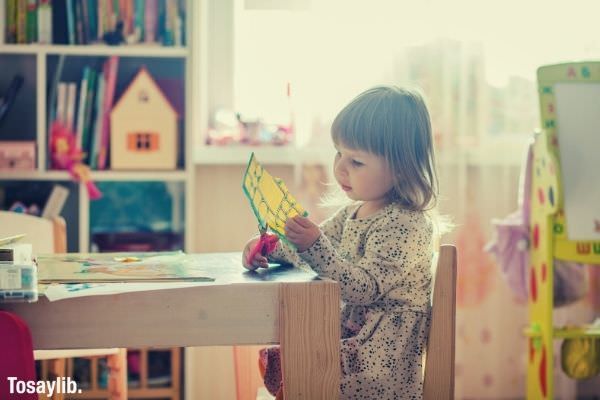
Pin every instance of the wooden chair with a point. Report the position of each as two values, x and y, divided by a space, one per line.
439 365
50 236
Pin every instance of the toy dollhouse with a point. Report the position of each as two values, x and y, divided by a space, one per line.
143 127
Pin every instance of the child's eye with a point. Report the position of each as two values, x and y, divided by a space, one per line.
357 163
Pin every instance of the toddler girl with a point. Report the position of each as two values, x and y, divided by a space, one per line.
379 248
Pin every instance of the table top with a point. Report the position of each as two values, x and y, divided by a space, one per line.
221 268
239 307
226 268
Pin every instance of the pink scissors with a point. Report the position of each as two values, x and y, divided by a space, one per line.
265 245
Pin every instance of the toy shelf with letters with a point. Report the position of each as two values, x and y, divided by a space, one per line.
565 205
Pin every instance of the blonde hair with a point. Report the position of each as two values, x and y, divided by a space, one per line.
394 123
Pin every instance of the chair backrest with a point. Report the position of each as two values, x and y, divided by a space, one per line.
439 364
45 235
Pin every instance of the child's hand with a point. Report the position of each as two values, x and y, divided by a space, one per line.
259 261
301 232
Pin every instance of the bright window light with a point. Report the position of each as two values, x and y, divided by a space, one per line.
474 60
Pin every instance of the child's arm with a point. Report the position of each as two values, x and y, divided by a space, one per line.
331 227
392 248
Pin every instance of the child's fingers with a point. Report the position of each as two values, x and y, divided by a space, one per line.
302 221
292 226
250 266
260 261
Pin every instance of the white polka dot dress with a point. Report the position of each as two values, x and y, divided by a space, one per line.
382 263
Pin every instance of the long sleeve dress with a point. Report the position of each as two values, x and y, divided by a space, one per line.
383 265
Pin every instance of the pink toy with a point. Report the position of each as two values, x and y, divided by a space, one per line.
66 155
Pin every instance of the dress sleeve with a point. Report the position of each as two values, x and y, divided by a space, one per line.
331 227
392 248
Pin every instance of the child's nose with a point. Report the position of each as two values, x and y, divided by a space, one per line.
340 169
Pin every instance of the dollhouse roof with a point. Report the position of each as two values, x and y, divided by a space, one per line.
144 77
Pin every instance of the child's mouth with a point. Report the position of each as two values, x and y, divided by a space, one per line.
346 188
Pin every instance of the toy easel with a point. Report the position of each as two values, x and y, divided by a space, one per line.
548 227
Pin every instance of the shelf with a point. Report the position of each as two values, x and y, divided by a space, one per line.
149 50
568 333
98 176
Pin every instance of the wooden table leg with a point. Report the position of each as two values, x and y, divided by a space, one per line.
309 334
117 376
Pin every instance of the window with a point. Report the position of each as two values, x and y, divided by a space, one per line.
142 142
474 60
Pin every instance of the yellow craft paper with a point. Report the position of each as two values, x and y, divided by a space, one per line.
269 198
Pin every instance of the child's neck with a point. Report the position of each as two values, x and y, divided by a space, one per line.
368 208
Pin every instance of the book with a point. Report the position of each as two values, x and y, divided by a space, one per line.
3 19
93 20
139 17
11 21
53 92
85 21
22 21
70 106
110 76
31 22
61 103
150 19
71 29
96 132
87 115
83 87
60 28
55 202
79 21
44 21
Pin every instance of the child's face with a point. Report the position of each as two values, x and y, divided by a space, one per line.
362 175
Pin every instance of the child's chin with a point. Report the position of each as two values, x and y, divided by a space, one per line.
352 196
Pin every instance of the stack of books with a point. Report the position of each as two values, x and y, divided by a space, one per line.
89 21
84 108
18 273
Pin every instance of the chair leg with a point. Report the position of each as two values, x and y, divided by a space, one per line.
117 378
57 368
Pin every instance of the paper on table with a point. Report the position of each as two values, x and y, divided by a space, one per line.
119 267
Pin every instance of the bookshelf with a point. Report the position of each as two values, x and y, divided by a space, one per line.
28 121
37 62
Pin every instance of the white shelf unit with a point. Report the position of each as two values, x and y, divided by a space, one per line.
143 50
185 175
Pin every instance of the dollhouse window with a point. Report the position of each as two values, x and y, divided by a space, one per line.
142 141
